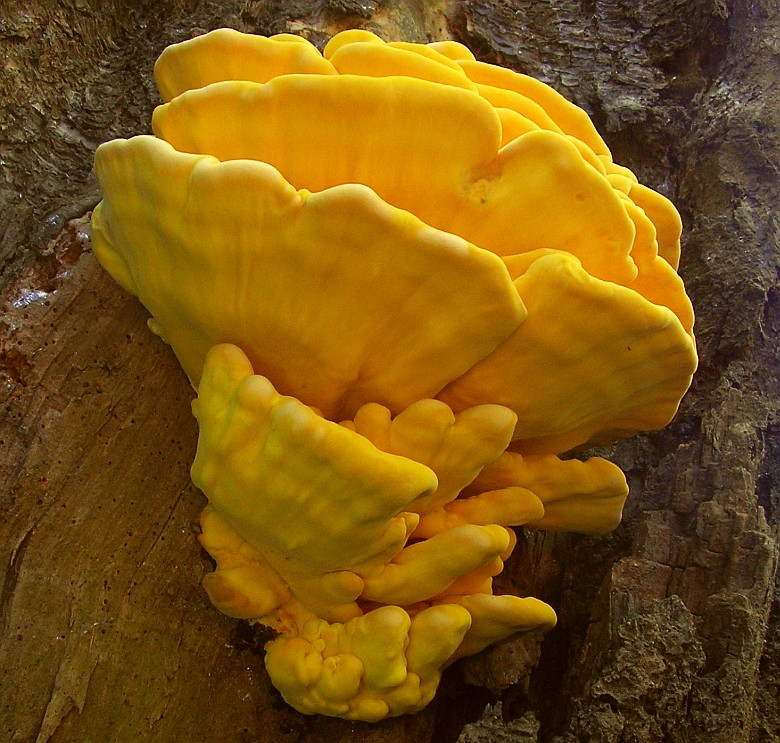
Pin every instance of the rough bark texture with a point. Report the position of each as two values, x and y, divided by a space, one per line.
669 628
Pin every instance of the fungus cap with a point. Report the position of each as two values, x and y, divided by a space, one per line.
386 308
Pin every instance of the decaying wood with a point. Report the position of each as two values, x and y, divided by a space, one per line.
669 628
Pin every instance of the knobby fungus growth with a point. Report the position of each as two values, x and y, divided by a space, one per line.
402 282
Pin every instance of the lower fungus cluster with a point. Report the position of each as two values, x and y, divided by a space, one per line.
403 283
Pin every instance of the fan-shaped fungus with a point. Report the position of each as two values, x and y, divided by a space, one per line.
395 320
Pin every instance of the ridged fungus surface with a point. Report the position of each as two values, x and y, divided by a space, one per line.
403 283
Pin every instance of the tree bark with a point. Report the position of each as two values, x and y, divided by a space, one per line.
669 629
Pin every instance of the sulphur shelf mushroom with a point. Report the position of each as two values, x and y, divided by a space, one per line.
403 283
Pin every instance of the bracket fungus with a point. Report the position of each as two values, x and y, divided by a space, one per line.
396 319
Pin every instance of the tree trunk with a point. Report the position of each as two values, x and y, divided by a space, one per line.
669 628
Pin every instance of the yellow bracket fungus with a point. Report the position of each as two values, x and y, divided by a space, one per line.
402 282
310 524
